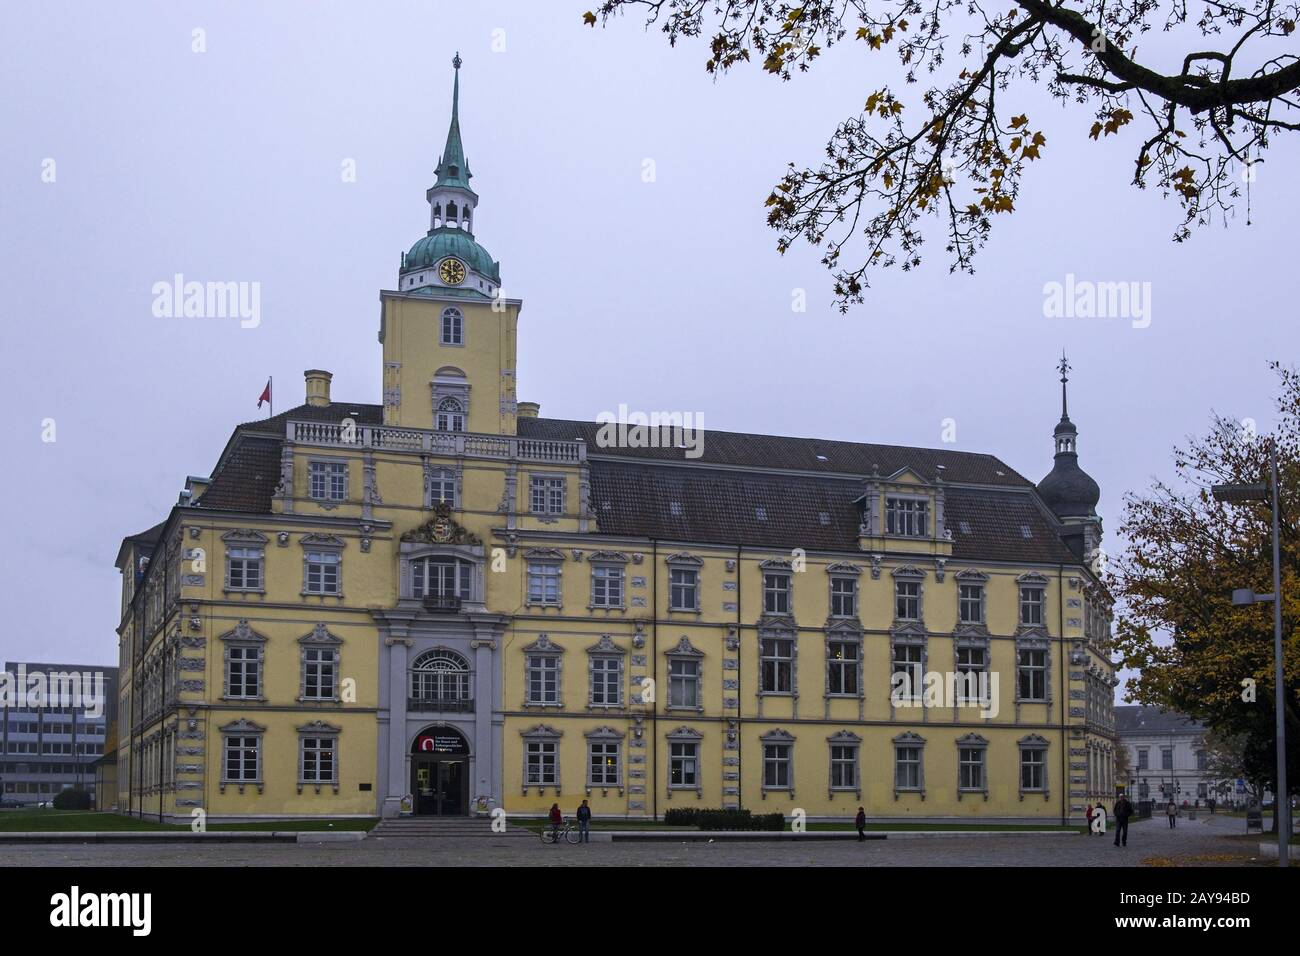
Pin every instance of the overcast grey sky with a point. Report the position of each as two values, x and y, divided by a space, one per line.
225 165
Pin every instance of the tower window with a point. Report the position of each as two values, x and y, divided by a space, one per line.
450 417
453 327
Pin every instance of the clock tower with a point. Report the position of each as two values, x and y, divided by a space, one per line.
448 330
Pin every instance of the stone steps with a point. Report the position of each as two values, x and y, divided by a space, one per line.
457 827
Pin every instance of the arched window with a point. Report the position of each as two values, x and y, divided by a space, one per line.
451 416
453 327
437 215
448 578
451 213
440 675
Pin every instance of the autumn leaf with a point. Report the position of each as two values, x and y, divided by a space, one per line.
589 18
1019 121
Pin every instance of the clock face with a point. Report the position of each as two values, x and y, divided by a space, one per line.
452 271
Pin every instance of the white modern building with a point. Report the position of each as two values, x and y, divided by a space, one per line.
1167 756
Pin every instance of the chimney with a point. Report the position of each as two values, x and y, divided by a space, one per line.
318 387
527 409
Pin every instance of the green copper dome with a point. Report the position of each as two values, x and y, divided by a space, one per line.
450 241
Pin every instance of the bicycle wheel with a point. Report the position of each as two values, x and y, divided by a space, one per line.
572 835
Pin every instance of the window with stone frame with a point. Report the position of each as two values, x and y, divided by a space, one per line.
683 764
319 665
776 592
449 416
843 664
844 597
542 673
604 758
321 571
318 758
683 682
544 583
541 758
1032 599
244 566
327 480
777 761
907 600
241 758
442 488
1033 764
546 495
844 765
453 327
606 585
907 516
970 603
776 665
1031 674
908 764
908 677
606 680
972 672
972 750
684 589
243 663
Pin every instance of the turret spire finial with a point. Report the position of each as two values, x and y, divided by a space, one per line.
1064 369
455 61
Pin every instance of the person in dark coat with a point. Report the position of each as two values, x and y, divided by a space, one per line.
1171 811
860 821
584 822
1087 816
1123 810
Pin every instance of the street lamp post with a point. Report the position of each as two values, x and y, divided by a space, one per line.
1240 596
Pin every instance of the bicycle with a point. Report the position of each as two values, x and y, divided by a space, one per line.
567 832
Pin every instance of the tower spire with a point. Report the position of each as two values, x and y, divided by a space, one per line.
452 169
1064 369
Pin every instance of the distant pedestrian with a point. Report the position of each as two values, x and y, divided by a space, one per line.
584 822
1171 811
1211 804
1123 810
1087 817
557 820
860 821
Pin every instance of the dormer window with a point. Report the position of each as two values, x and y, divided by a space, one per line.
907 516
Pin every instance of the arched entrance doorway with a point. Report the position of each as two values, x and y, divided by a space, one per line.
440 772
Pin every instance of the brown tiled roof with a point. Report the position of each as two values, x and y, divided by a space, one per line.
691 503
733 494
246 477
797 454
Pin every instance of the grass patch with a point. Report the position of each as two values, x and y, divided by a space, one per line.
53 821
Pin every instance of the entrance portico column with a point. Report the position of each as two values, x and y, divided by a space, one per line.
398 775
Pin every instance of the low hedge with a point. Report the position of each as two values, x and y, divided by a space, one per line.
72 800
711 819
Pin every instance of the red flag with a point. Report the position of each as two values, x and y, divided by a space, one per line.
266 394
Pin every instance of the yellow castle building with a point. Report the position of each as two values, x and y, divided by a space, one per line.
446 604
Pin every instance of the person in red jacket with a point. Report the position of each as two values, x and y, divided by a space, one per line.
557 820
861 822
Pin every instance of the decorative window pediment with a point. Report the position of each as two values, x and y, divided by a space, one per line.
685 734
543 645
845 737
320 541
909 738
971 740
608 557
777 736
320 634
1033 740
244 536
908 571
603 733
683 557
776 564
970 575
319 727
971 634
845 568
913 631
548 554
242 726
684 648
243 634
541 732
606 645
1032 578
775 626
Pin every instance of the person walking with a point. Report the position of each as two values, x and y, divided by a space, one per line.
1123 810
584 822
860 821
1171 811
1087 817
557 820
